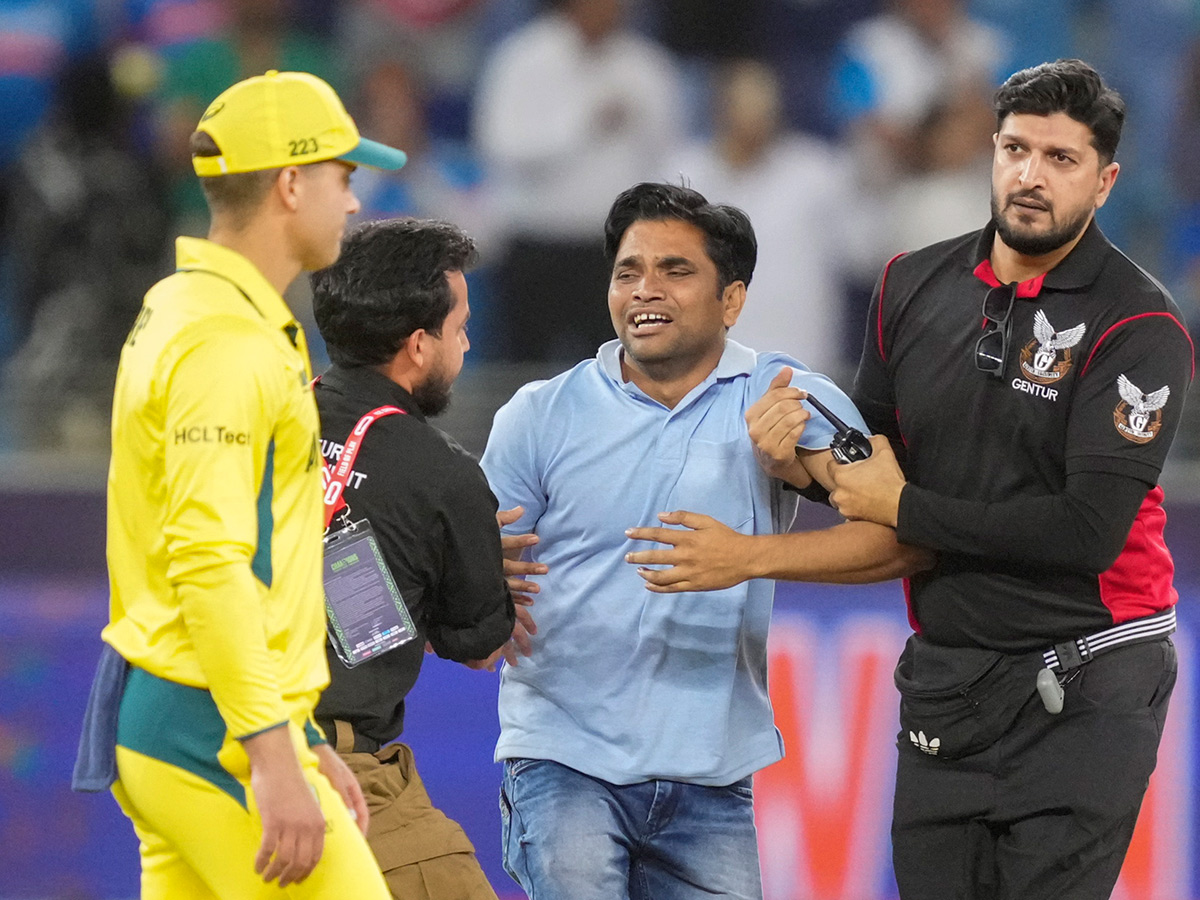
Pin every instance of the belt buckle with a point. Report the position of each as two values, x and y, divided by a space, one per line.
1069 655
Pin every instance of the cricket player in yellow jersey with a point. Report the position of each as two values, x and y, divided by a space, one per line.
202 708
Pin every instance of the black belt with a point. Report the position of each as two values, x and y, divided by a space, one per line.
1073 654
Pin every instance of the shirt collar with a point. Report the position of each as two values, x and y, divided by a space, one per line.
735 360
1078 270
371 388
196 254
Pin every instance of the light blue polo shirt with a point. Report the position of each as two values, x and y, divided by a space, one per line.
624 684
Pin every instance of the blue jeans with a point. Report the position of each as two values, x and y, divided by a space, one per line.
568 836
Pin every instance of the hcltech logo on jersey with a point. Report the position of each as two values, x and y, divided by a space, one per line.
1138 416
1047 358
210 434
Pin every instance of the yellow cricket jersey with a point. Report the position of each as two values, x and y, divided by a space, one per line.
214 494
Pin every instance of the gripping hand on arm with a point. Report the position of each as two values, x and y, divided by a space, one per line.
870 488
1090 518
776 422
522 590
706 555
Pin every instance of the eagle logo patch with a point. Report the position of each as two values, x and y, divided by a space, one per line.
1047 358
1138 416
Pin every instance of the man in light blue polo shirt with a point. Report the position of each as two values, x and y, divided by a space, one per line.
631 734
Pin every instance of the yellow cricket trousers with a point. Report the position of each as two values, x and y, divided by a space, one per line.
185 784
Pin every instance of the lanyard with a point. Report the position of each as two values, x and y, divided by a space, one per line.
335 479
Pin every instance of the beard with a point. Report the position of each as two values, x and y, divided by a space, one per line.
432 395
1029 243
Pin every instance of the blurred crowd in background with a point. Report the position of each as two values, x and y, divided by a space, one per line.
849 130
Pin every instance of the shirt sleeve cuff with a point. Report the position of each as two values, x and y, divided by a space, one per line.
254 734
315 736
914 508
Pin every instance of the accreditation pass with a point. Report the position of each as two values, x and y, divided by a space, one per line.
367 615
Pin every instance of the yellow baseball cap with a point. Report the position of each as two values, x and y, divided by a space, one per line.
284 119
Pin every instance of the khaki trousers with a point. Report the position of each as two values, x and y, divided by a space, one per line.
424 854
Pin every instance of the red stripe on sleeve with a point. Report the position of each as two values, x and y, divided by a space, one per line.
879 312
912 616
1096 347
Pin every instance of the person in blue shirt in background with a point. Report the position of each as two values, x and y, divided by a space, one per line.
631 734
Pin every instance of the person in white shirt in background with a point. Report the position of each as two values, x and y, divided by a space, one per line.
571 109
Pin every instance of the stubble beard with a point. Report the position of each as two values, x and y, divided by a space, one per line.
432 395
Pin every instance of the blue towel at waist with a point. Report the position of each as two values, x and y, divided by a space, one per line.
96 761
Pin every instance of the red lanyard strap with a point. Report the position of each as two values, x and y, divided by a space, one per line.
335 479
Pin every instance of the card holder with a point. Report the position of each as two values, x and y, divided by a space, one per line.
366 614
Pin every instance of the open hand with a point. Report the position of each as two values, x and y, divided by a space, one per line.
704 555
293 826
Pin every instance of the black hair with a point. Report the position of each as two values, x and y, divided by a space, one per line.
1070 86
728 235
389 281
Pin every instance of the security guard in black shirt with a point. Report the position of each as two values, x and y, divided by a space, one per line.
393 312
1031 377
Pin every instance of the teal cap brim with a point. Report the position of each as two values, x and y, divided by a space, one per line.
376 155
